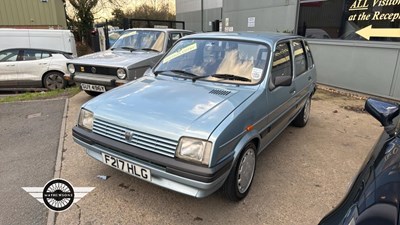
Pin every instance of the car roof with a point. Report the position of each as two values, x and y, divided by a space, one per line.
160 29
270 38
39 49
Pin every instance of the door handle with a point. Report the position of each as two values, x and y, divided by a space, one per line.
309 78
11 65
292 91
42 63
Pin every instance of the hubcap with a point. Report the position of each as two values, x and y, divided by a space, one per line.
246 170
54 81
307 109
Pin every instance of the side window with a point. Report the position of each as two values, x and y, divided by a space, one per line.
31 55
282 62
173 37
45 55
310 60
9 55
300 63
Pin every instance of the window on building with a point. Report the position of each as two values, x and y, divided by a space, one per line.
349 19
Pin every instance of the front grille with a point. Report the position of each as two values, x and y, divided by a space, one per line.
96 70
141 140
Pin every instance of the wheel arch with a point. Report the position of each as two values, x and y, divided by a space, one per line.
250 137
50 71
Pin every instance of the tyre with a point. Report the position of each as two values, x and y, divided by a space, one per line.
302 118
54 80
239 181
93 93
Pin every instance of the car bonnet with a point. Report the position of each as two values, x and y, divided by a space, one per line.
114 58
167 107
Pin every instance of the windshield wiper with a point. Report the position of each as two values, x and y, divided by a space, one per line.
149 49
223 76
129 48
176 71
230 77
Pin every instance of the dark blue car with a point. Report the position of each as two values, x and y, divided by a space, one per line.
373 198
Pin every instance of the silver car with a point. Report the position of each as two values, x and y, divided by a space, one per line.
198 120
133 53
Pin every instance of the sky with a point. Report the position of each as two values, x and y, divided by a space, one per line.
104 7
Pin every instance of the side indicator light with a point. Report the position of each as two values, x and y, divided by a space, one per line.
249 128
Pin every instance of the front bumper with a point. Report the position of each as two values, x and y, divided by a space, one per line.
186 178
105 80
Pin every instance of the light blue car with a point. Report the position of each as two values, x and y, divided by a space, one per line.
197 121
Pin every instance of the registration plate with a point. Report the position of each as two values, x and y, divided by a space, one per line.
127 167
92 87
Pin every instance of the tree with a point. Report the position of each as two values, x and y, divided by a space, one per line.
118 17
83 17
145 11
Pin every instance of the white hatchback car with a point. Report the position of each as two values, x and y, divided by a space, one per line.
33 68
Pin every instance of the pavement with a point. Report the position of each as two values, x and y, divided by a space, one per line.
301 176
29 138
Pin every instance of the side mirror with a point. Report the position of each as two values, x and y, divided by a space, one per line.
283 81
384 112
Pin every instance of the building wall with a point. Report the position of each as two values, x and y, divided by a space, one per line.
271 15
32 14
190 12
368 67
371 67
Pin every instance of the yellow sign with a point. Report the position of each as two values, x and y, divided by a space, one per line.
178 53
368 32
377 11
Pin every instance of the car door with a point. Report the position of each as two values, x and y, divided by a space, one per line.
280 100
302 72
32 67
9 68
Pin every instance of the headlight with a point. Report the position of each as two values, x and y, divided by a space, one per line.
121 73
86 119
193 149
71 68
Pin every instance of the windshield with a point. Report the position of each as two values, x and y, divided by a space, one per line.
141 39
216 60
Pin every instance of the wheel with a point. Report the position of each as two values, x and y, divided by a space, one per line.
54 80
93 93
302 118
239 181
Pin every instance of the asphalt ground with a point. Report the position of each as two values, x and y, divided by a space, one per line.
302 175
29 137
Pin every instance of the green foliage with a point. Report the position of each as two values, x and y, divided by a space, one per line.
83 17
151 12
160 12
118 17
28 96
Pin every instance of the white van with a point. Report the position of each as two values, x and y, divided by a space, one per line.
61 40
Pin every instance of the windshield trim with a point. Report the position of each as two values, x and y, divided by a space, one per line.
265 69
